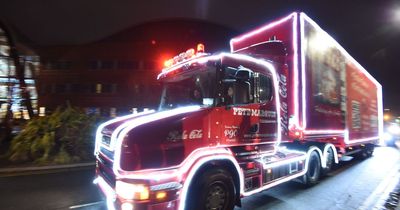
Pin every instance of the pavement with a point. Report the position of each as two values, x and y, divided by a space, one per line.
398 185
393 201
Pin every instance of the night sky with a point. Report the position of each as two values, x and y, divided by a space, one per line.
368 30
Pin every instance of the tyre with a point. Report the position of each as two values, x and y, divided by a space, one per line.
330 161
313 170
370 150
214 190
366 152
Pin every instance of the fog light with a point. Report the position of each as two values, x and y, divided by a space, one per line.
132 191
387 137
126 206
161 195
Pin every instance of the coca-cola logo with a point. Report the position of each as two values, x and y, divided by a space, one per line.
183 135
196 134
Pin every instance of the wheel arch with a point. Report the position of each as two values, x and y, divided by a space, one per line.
319 152
226 162
325 152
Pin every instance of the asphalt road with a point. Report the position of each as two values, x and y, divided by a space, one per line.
353 185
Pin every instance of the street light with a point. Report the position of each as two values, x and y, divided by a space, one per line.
396 15
386 117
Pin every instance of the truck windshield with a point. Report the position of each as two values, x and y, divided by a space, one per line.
194 86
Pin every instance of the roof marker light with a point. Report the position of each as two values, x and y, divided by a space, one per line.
190 53
200 48
184 57
168 63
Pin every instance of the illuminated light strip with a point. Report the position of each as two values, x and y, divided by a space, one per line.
335 156
103 125
272 184
304 17
119 128
324 132
295 56
179 65
303 73
362 140
117 131
260 30
108 191
296 85
380 116
322 158
143 120
175 171
110 204
284 162
347 137
166 186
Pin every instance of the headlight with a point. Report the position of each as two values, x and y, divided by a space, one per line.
387 137
132 191
394 129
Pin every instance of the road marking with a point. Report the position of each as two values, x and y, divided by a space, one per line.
382 191
85 205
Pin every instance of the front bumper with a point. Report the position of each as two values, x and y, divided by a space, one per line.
115 203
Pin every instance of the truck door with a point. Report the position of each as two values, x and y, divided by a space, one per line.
248 108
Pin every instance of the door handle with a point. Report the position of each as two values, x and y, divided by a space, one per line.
254 128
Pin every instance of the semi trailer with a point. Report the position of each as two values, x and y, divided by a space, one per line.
286 103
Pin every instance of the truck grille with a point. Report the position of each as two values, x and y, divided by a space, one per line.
105 169
106 140
107 153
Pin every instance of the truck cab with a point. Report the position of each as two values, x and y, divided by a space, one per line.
219 115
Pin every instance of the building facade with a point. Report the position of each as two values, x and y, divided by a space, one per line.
11 99
114 75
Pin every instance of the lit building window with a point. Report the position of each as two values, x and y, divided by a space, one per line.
98 88
10 91
113 112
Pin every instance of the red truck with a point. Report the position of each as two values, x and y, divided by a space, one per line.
286 103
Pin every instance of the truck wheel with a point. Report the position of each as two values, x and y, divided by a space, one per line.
330 161
369 150
214 191
366 152
313 170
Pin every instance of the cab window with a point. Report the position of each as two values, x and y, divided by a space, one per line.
238 86
243 86
264 88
